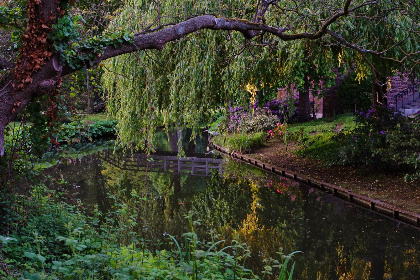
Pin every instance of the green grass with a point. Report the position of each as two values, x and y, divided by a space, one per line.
317 138
346 122
93 117
243 142
321 146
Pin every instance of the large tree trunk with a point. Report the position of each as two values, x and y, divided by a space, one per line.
32 73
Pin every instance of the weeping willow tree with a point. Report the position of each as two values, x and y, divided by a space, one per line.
182 84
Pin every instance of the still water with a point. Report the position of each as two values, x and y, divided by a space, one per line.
229 200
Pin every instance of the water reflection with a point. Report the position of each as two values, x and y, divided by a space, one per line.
270 214
200 165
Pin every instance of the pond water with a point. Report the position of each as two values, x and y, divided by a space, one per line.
229 200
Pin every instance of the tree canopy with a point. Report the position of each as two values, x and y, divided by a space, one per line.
184 55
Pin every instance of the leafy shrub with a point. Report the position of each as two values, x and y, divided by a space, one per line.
367 142
384 139
278 131
352 92
78 131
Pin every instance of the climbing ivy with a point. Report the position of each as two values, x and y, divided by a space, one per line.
66 38
10 17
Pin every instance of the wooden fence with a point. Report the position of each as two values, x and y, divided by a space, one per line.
168 164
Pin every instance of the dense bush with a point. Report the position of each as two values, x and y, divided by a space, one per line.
78 131
384 139
352 92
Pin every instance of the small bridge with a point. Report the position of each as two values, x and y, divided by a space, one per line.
197 166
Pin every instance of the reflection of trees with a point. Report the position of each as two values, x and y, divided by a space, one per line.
166 199
84 180
338 241
223 203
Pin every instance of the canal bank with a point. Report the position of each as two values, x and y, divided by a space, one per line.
324 178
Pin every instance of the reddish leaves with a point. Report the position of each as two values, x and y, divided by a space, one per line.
36 48
16 106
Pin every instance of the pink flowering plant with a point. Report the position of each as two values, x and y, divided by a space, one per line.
278 131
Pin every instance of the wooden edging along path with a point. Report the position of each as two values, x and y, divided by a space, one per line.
375 205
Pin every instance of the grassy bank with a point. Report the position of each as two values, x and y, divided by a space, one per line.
321 139
315 139
241 142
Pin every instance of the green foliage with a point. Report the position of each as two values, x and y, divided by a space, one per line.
242 120
48 239
260 121
183 83
353 95
323 146
365 145
32 148
344 122
10 17
77 131
66 38
381 138
321 139
384 139
217 121
242 142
